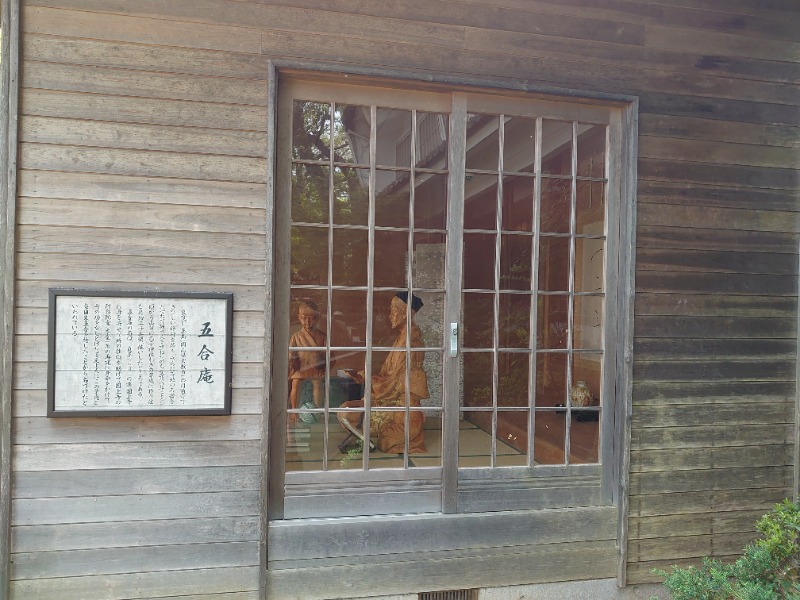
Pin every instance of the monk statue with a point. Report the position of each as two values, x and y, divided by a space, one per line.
306 364
389 387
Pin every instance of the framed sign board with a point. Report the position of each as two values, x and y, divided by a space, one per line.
139 353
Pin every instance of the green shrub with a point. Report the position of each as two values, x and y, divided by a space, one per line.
769 569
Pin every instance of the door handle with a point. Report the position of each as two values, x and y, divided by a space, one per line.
453 350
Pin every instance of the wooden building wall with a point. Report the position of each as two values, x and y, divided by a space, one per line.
143 144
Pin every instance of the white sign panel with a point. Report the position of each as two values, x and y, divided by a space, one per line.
139 353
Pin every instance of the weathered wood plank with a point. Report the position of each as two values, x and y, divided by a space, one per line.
644 571
162 138
33 294
712 305
408 25
48 239
123 188
168 271
68 457
665 501
691 128
726 109
122 82
116 27
720 240
33 403
719 174
179 113
141 585
740 521
48 157
752 350
712 435
119 482
670 215
716 370
682 547
86 536
688 459
495 567
718 392
716 152
715 327
321 538
736 413
657 259
133 429
648 488
110 561
716 283
136 507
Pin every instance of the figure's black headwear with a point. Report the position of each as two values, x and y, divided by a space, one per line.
416 301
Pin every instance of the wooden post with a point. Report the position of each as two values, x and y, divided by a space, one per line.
9 88
797 409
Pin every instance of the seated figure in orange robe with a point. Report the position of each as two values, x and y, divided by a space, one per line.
389 387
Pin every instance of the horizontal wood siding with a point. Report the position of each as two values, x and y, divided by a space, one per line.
143 144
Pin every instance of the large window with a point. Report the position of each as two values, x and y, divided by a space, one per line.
445 276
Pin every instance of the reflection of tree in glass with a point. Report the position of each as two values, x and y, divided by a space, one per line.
313 186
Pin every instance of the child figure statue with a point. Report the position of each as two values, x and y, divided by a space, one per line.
306 364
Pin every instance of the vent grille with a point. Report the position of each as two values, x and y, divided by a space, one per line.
450 595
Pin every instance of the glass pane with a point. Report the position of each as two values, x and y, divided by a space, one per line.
305 441
551 379
515 262
388 433
512 438
588 317
309 262
430 319
391 259
307 359
553 319
584 436
515 320
345 443
394 138
477 321
315 297
556 147
554 264
519 144
475 439
586 377
483 142
591 150
430 201
310 187
350 251
430 253
351 132
549 438
392 199
432 432
590 208
589 255
476 376
513 375
311 130
348 322
479 253
556 199
432 365
384 334
518 203
350 196
432 135
480 202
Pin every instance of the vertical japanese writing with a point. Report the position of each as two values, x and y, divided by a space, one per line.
172 355
118 333
96 353
151 352
129 358
184 345
85 356
162 329
107 353
140 355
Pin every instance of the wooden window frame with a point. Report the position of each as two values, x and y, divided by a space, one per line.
612 476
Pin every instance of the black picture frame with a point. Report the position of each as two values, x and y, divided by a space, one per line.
153 409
